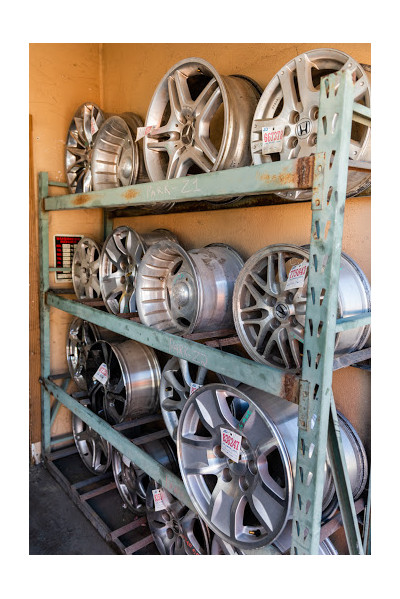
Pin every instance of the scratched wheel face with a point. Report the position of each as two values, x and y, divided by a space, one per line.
94 451
85 269
184 292
202 121
176 529
269 305
285 123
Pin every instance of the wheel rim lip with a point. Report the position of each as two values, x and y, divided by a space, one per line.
178 250
283 453
78 113
161 87
76 324
75 270
159 538
299 252
273 87
105 264
77 424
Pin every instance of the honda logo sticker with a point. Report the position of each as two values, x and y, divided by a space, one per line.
303 128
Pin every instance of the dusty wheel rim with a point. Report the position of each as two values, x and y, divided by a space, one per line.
179 379
93 449
290 101
132 481
81 335
85 269
182 292
116 155
131 388
270 320
120 258
176 530
81 136
184 141
221 547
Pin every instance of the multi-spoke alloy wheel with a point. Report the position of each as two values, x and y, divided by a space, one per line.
120 258
270 320
132 481
289 105
221 547
117 159
93 449
176 530
247 503
81 136
85 269
131 381
183 292
81 335
179 379
202 121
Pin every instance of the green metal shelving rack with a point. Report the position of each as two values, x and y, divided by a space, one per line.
326 173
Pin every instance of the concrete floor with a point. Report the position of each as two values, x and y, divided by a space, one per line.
56 525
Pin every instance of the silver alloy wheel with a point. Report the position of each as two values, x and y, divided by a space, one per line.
81 136
132 481
202 121
185 292
179 379
85 269
270 321
290 102
176 530
117 159
92 448
221 547
248 503
119 262
81 335
131 388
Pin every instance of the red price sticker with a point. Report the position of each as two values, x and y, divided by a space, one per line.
272 139
297 275
231 444
101 374
93 126
194 387
158 500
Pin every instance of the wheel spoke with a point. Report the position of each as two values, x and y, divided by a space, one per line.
177 386
266 507
272 286
305 82
290 101
208 408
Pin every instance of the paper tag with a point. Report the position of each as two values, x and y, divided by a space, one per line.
272 139
297 275
231 444
194 387
158 500
143 131
93 126
102 374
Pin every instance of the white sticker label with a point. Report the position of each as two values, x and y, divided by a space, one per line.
194 387
93 126
297 275
272 139
101 374
143 131
158 500
231 444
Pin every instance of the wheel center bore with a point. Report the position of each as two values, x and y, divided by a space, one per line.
125 167
181 293
282 311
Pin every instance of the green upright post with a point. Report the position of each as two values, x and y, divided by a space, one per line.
44 310
328 202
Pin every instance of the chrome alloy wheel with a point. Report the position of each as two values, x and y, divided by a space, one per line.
81 136
131 388
185 292
248 503
290 103
81 335
132 481
93 449
119 262
85 269
221 547
117 159
270 320
179 379
176 530
202 121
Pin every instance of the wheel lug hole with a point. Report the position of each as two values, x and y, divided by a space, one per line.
218 451
252 466
226 475
170 533
245 444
